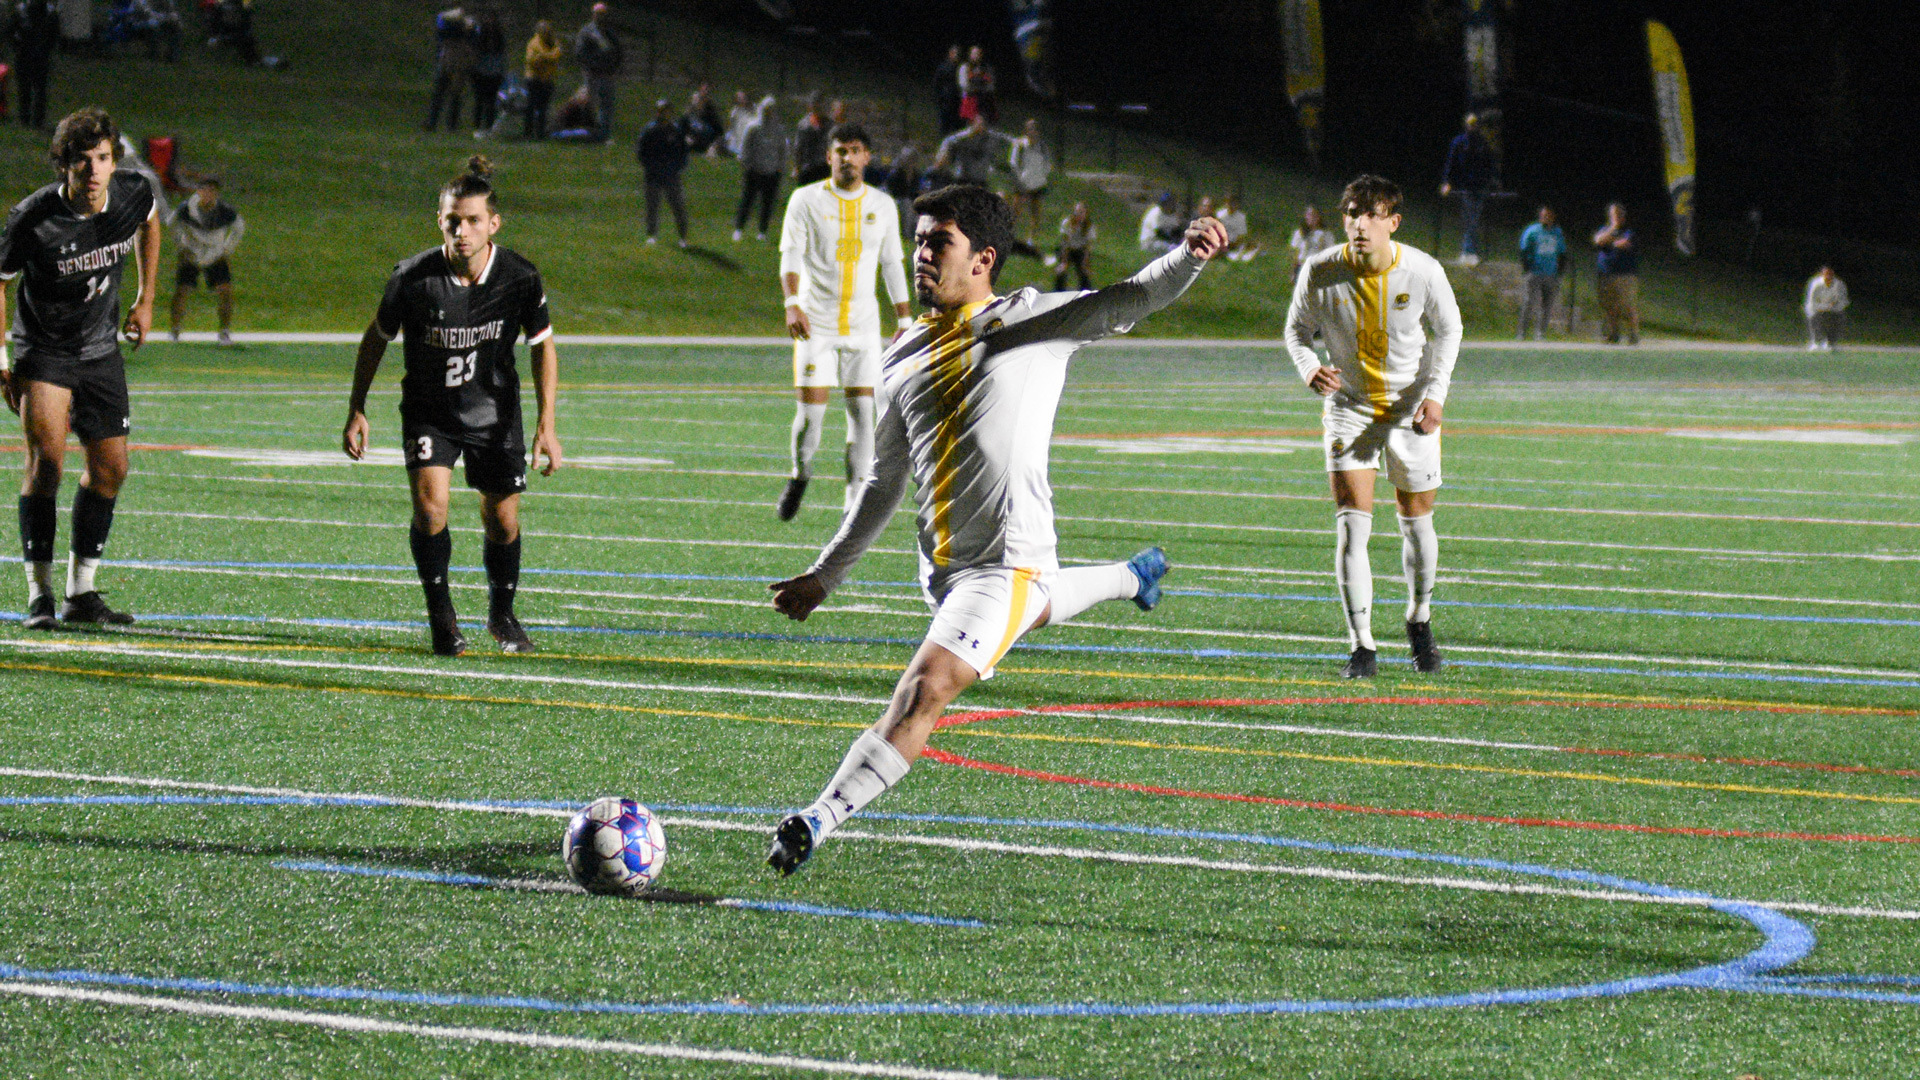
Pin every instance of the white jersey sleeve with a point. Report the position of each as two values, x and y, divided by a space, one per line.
1303 321
796 235
893 258
1443 320
1090 316
875 503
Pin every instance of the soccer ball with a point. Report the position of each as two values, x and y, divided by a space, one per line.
614 847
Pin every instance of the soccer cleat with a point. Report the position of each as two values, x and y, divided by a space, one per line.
447 638
792 843
789 504
1426 656
1361 665
226 338
507 631
1149 566
40 615
88 607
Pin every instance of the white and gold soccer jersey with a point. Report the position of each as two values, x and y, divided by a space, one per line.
836 243
1372 326
968 402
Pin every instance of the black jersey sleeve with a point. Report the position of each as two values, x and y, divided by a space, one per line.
387 320
534 320
13 258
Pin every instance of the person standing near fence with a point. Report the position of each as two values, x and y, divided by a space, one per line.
662 151
763 156
596 48
1826 306
1541 246
542 70
1470 172
1617 260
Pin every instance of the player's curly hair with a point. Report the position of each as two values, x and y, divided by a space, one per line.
850 132
983 217
81 131
1369 192
477 180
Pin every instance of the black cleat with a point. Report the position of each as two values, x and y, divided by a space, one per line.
40 615
88 607
507 631
792 843
447 638
789 504
1426 656
1361 665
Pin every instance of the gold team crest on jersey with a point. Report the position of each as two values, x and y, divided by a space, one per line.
871 217
992 325
1400 302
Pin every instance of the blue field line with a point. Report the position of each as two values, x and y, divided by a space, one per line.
1670 613
784 907
1773 986
194 800
239 564
1042 647
1786 942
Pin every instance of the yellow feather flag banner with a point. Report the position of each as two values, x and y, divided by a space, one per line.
1674 104
1306 67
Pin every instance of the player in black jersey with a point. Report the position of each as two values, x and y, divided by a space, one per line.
461 306
68 243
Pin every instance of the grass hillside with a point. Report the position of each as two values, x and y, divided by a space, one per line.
328 163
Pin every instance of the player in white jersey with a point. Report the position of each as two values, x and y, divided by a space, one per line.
1385 383
836 234
968 412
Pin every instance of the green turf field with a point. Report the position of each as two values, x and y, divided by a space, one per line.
263 833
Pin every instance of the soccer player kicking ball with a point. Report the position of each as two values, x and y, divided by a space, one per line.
68 243
1384 382
836 233
461 306
971 392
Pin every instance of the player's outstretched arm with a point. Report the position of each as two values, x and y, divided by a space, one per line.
796 597
546 387
872 508
373 346
6 365
140 319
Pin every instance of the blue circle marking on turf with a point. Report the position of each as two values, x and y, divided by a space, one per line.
1785 941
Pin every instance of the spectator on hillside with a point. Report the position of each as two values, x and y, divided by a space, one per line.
541 72
1077 234
703 122
1617 258
977 94
662 151
1470 172
1310 238
810 145
36 35
1826 306
763 157
207 231
453 31
574 121
1541 246
489 68
903 182
947 92
967 155
739 118
596 48
1162 226
1032 170
233 27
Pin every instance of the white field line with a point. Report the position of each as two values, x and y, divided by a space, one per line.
998 847
498 1036
425 673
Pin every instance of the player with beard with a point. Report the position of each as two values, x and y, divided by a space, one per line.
461 306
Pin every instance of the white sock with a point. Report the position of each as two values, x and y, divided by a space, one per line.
80 574
1419 558
871 766
1077 588
859 444
39 580
1354 574
807 422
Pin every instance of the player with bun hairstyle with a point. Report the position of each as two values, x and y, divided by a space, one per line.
461 306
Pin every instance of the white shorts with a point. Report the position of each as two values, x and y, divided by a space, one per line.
1355 440
822 360
985 611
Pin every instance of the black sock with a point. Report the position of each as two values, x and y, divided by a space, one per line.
503 576
431 556
92 520
38 517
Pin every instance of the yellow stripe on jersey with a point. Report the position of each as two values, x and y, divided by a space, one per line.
951 372
1370 330
847 254
1023 579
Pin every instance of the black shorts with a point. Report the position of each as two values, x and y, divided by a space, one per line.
496 463
218 274
99 388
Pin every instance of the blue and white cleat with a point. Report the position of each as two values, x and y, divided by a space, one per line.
793 842
1149 566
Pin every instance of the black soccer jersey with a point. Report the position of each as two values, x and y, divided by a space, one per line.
69 307
459 338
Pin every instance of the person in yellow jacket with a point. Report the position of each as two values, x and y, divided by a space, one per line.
543 67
